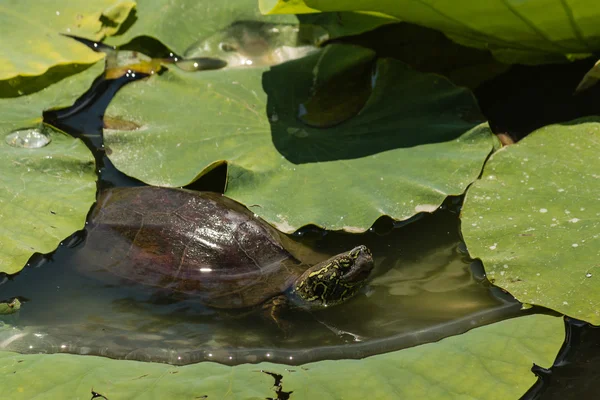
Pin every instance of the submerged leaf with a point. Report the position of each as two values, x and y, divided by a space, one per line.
10 307
495 363
534 219
412 144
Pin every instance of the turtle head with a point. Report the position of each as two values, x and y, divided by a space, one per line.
335 280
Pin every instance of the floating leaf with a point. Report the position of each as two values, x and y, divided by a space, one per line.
534 219
45 192
408 148
495 363
533 31
32 34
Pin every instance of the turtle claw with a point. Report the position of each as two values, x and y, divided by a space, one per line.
274 309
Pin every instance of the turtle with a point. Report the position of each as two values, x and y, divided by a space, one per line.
215 250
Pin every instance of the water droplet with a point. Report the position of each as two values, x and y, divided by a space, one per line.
31 138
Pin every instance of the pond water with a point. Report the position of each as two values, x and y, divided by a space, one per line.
423 289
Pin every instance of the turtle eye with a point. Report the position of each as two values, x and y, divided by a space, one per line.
345 263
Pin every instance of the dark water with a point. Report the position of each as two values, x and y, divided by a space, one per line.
423 289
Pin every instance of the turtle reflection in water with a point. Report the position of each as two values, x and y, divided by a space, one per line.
214 249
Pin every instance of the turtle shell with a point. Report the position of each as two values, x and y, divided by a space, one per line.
199 243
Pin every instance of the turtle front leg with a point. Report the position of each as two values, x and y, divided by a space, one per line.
274 308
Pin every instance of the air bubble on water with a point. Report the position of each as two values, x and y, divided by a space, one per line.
493 247
575 245
574 220
31 138
588 275
274 117
543 210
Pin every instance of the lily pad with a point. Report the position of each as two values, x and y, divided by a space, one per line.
404 153
179 23
495 363
32 33
534 219
45 192
514 31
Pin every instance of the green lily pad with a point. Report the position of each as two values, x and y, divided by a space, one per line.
514 31
180 23
404 153
534 219
31 40
495 363
45 192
